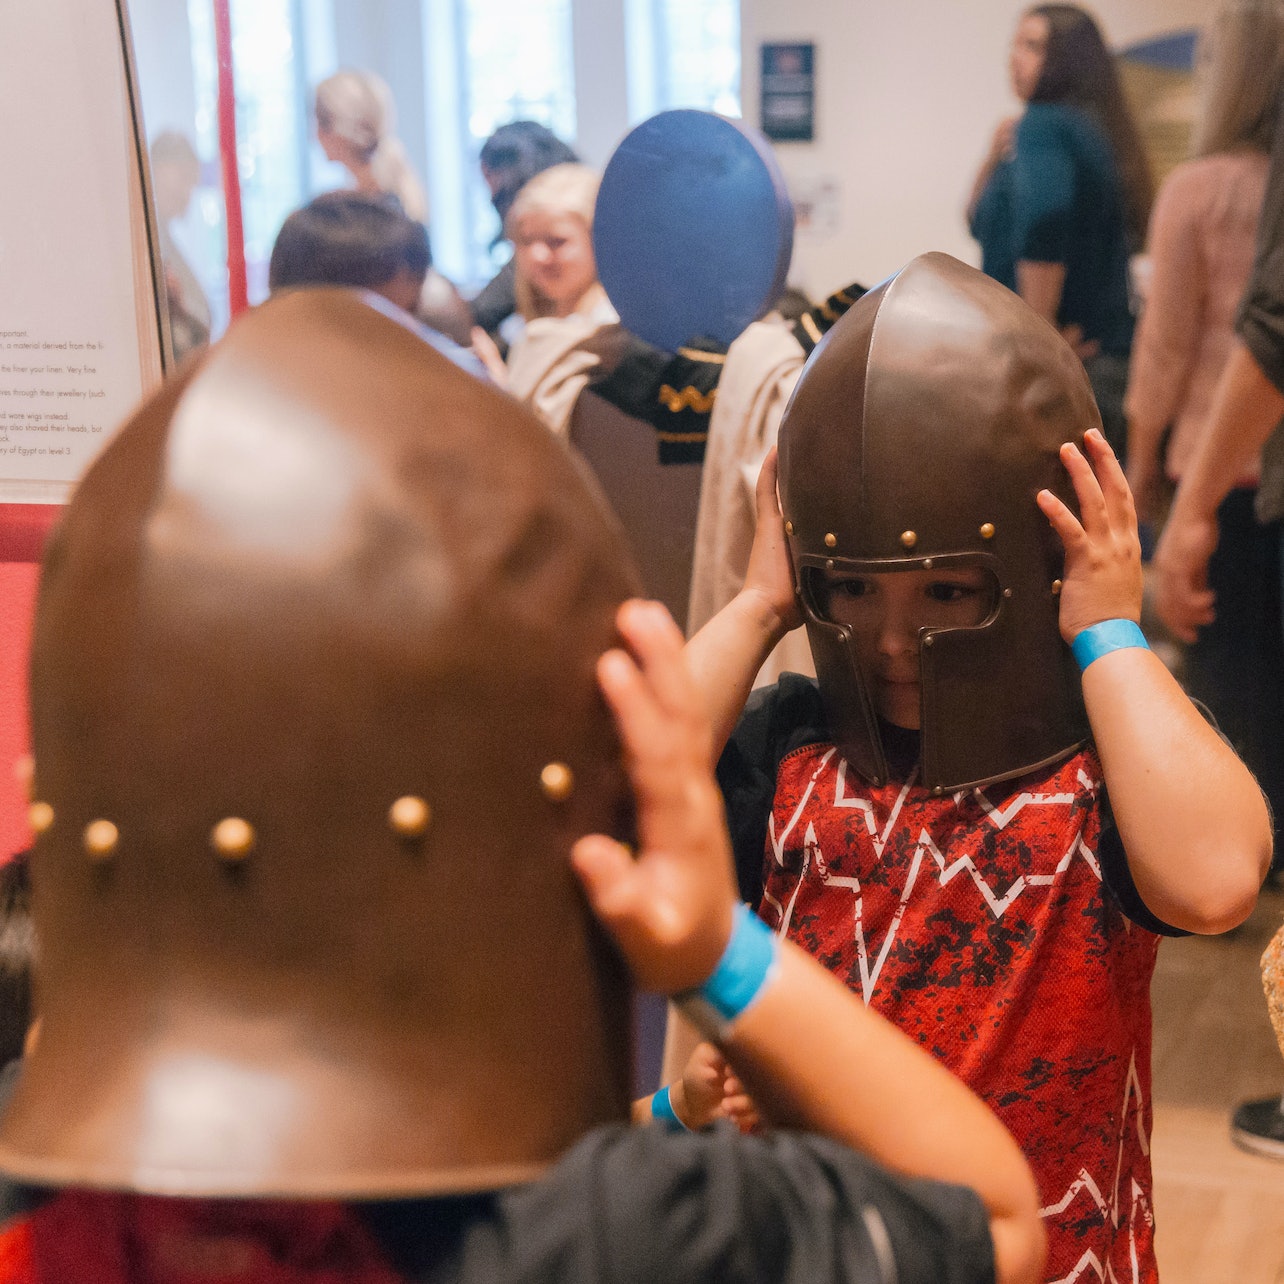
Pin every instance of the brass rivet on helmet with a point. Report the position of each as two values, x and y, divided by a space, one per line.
927 563
1056 588
232 838
789 528
927 641
830 540
40 815
556 781
1007 592
987 530
829 563
409 816
937 791
909 538
101 837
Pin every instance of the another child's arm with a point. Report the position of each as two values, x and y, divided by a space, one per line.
695 1095
725 656
810 1052
1191 818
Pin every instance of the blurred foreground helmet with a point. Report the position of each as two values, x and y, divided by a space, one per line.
918 436
316 725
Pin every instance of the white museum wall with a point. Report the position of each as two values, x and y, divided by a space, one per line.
908 96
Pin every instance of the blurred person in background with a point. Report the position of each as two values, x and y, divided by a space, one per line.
365 241
356 127
1202 236
558 295
176 174
509 159
1063 196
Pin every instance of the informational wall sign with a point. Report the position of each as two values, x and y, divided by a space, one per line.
80 328
789 93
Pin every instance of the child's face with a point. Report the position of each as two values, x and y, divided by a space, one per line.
555 254
885 611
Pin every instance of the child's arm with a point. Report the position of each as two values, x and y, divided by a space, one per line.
808 1050
725 656
1192 820
695 1095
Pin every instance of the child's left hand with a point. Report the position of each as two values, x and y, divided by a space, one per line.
1102 579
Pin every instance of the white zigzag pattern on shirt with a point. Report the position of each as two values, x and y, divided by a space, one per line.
778 845
998 904
1110 1211
812 855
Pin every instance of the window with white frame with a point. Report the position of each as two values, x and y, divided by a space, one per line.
515 61
481 63
516 64
684 53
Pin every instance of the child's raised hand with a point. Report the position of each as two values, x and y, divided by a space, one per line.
770 574
670 909
1102 579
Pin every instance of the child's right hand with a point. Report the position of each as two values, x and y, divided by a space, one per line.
770 575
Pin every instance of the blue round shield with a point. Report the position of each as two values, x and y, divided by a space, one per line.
693 229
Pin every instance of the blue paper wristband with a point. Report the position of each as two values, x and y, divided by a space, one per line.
745 966
663 1112
1110 635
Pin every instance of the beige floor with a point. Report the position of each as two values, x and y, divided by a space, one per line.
1219 1211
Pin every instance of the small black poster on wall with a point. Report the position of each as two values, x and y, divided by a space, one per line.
789 93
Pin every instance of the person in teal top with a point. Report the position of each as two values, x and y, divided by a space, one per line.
1064 195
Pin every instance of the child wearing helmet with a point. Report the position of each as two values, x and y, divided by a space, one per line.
981 840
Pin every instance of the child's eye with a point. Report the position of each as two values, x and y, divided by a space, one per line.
849 588
948 591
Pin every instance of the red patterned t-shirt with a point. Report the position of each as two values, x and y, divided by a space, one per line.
980 924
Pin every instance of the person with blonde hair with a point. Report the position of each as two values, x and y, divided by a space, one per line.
551 227
1201 244
571 327
356 126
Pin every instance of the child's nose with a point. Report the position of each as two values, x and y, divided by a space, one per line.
897 637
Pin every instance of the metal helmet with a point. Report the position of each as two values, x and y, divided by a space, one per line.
316 725
918 436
